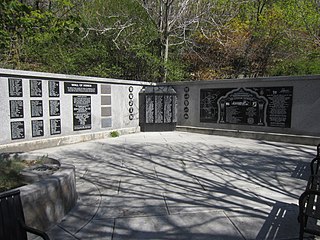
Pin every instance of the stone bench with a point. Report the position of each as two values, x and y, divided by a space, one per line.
46 202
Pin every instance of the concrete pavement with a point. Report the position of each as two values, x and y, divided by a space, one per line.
176 185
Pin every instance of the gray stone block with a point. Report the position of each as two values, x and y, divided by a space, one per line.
106 122
106 111
47 202
105 100
105 89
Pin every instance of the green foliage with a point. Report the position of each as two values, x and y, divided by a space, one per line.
23 27
264 38
118 39
299 66
114 134
9 172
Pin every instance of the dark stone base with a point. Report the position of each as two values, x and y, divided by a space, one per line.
158 127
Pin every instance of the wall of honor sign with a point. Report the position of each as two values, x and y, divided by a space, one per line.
80 88
81 113
260 106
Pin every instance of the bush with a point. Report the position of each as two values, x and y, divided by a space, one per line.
114 134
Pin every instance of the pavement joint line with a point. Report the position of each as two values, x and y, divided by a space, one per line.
236 227
169 146
113 228
183 163
155 172
165 202
119 187
65 230
99 205
85 172
199 183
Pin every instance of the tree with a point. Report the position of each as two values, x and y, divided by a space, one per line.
22 26
176 21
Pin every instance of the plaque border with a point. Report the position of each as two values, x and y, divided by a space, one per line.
53 119
11 108
94 86
24 132
31 108
21 87
51 115
73 113
49 88
40 120
30 80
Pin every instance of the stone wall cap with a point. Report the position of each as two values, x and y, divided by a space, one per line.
65 77
256 80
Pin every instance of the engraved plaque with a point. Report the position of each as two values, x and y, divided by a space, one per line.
17 130
209 103
36 108
37 128
159 104
262 106
279 105
54 107
81 113
16 108
15 87
54 90
35 88
242 106
168 104
149 109
55 126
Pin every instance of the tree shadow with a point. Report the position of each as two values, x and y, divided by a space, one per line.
162 182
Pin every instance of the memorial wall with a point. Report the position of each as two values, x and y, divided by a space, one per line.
289 105
41 108
44 110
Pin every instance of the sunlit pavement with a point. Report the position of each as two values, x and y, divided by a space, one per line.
176 185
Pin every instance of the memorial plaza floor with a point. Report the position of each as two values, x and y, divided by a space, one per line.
176 185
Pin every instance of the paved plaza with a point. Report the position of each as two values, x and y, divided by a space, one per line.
177 185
